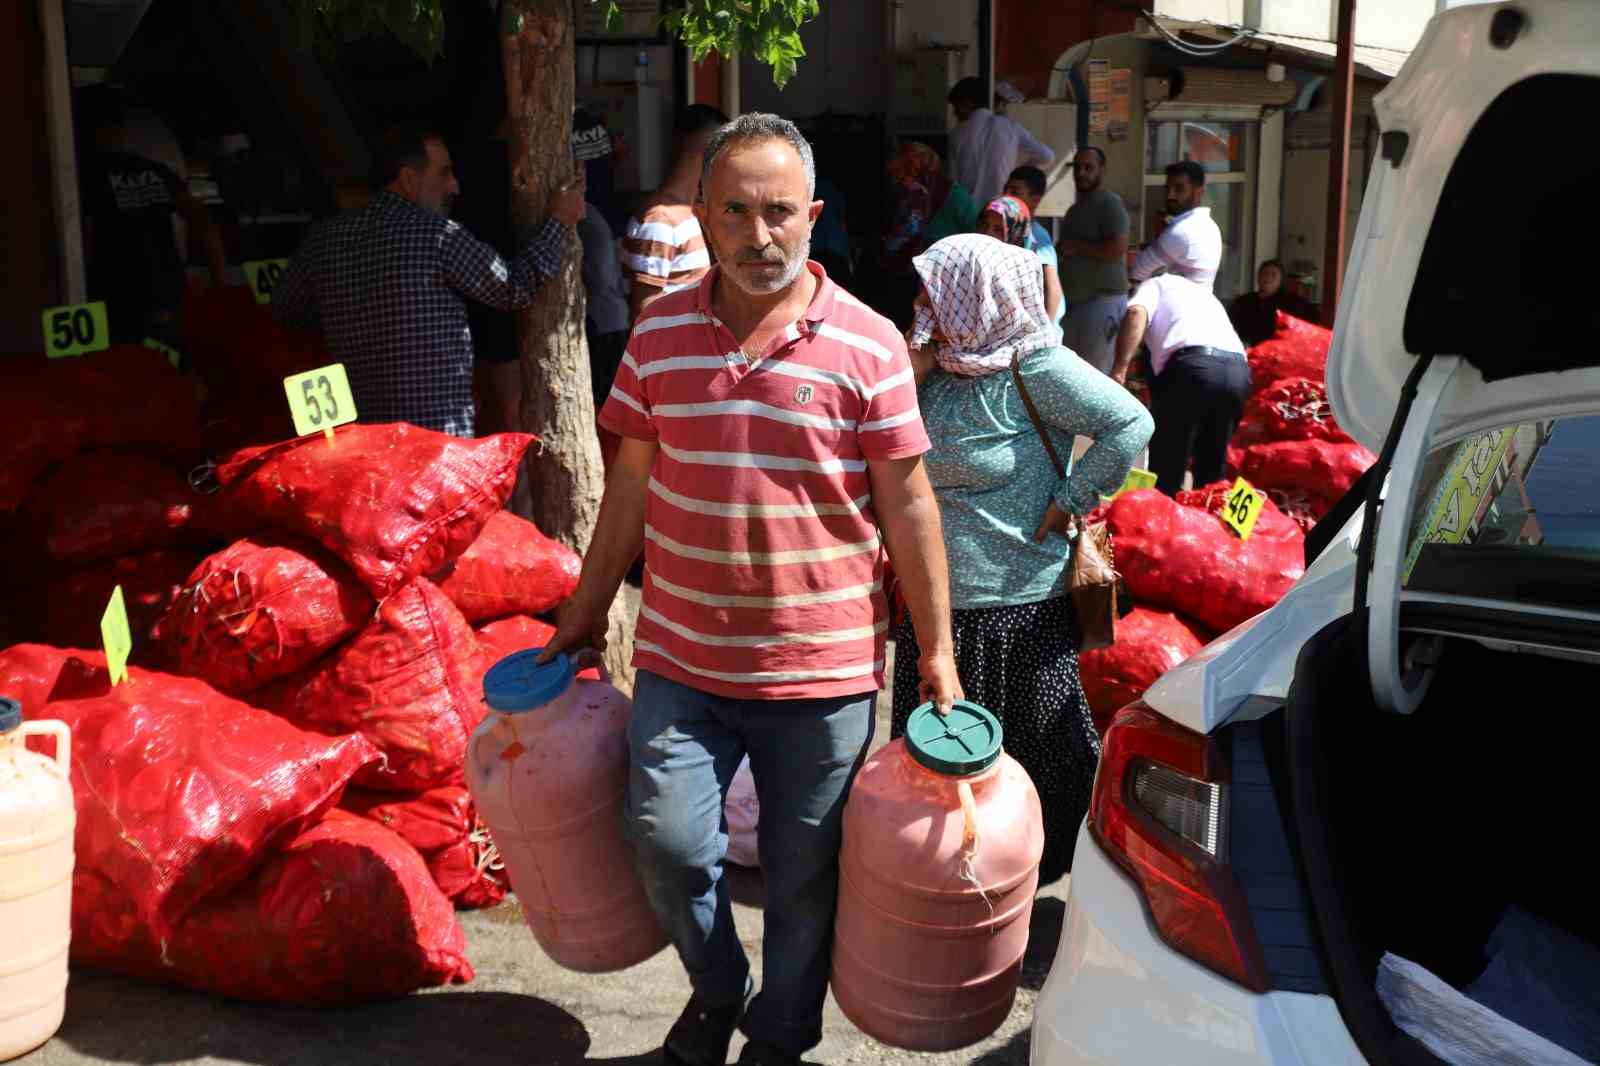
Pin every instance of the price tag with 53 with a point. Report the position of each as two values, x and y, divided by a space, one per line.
320 399
1241 507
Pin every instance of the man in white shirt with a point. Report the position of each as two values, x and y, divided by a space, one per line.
985 147
1191 245
1201 376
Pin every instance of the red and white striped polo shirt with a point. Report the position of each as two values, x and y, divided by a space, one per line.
764 568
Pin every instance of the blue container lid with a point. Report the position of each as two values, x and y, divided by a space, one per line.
10 715
519 683
964 742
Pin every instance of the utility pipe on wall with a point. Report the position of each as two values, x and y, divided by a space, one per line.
1339 159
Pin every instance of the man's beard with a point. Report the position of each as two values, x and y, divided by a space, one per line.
791 270
1084 189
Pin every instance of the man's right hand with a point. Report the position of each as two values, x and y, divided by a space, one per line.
581 634
566 203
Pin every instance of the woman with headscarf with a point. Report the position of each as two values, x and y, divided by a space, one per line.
1007 516
927 207
1008 219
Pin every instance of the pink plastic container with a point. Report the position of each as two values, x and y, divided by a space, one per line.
549 770
936 880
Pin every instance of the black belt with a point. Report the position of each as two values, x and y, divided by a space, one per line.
1205 349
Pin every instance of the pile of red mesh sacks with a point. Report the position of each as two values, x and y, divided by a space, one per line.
334 642
1288 443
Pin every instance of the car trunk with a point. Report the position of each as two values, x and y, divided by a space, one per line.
1416 832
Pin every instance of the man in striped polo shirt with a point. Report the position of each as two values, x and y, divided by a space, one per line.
663 249
772 452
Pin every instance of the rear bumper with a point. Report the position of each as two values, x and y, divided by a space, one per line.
1118 995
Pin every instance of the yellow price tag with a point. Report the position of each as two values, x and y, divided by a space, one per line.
114 634
264 275
1136 479
165 349
74 329
1241 507
320 399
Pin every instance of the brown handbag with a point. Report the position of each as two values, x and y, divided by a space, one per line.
1093 581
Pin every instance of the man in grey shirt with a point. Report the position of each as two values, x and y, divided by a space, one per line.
1093 252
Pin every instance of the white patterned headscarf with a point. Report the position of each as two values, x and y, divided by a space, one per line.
987 304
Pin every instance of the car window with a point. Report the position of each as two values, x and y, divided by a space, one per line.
1511 513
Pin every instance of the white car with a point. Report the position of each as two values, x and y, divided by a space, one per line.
1402 747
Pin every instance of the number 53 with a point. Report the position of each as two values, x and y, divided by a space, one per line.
314 410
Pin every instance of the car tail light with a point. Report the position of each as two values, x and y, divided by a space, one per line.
1160 812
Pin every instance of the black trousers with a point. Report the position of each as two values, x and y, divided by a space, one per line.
1196 402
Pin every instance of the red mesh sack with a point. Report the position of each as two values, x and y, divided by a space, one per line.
1271 523
1290 409
519 633
345 912
512 568
442 824
1149 642
411 682
43 430
393 501
101 505
74 604
261 609
1299 349
1184 559
231 339
1323 471
181 790
28 673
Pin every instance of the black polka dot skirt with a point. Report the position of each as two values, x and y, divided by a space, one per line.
1021 663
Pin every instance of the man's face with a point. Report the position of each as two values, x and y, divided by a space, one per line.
434 187
1087 171
1269 281
1183 195
1022 191
963 109
757 216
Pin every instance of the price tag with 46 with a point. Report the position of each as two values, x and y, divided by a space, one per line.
1241 507
320 399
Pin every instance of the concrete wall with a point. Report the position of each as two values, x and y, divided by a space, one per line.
845 68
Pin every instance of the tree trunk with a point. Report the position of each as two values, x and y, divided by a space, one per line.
564 475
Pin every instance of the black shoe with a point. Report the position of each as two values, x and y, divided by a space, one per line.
756 1053
701 1035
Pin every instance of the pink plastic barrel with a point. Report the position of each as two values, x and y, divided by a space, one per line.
549 770
936 881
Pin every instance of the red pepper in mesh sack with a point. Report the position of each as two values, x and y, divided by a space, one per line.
181 791
104 504
512 568
411 682
442 824
75 602
1150 641
261 609
1299 349
1183 558
344 912
1292 409
393 501
1322 470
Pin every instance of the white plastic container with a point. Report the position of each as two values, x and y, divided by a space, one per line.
36 823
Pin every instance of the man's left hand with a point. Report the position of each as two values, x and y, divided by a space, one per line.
938 682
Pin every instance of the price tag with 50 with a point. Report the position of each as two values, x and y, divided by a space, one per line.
1241 507
320 399
75 329
264 276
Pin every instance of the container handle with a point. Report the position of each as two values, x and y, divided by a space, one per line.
969 844
49 727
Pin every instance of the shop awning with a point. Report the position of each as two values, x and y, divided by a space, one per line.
1370 62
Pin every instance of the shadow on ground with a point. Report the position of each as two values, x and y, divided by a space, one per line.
1044 936
114 1020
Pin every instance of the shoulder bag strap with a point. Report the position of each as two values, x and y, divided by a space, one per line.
1033 414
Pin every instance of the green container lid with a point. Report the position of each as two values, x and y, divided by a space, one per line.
962 743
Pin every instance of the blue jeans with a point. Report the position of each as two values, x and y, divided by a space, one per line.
685 746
